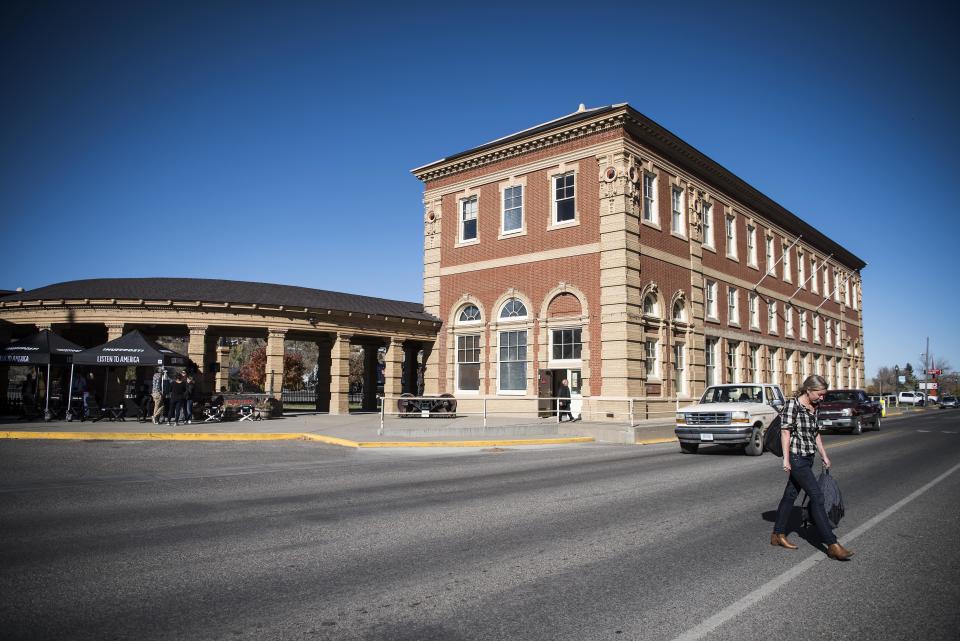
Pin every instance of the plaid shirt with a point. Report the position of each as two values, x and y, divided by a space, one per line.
803 426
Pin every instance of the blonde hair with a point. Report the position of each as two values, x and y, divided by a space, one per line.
814 382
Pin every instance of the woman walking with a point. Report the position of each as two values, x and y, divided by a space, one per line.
801 440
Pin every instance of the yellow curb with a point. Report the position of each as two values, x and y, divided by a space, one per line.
150 436
489 443
655 441
330 440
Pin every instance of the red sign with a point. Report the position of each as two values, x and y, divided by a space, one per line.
935 372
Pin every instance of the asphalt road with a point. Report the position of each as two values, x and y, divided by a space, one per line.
308 541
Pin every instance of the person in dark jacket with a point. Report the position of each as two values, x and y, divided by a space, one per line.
801 441
564 403
178 393
189 394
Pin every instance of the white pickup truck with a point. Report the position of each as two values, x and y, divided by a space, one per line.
735 415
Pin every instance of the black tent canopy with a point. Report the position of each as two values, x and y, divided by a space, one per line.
42 348
133 349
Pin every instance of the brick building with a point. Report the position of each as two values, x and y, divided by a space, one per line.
602 248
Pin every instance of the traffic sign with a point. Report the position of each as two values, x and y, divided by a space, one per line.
935 372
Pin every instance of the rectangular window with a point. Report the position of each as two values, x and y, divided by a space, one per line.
772 317
846 293
710 360
733 309
468 219
564 198
774 366
708 225
771 259
468 363
754 364
711 295
828 332
789 362
650 198
816 328
650 357
836 285
826 281
786 263
836 327
814 287
788 319
566 344
754 311
732 376
751 245
512 209
676 215
678 368
803 325
513 361
731 229
801 270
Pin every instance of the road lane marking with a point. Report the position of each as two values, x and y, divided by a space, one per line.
738 607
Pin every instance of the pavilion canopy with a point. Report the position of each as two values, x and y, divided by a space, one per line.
130 349
42 348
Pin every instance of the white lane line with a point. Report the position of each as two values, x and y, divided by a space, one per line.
923 431
736 608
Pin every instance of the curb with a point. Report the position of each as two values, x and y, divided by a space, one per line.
330 440
656 441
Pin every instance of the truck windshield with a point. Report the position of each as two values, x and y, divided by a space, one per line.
733 394
839 397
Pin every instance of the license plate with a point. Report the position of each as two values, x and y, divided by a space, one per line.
826 423
424 413
706 437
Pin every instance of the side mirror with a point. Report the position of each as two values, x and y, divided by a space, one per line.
777 403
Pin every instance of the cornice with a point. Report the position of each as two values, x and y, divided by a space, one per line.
510 150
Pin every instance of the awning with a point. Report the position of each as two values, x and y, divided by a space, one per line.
133 349
42 348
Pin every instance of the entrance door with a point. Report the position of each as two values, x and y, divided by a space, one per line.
574 382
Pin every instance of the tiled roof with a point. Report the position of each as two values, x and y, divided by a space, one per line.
223 291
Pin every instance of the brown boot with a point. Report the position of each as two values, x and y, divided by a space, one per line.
781 540
838 552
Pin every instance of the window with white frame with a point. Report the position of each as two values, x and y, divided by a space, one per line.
566 343
788 319
789 362
468 219
564 198
814 286
818 365
650 307
650 198
772 317
710 360
733 307
468 363
731 232
827 332
732 372
676 211
679 312
650 358
708 225
513 309
826 280
836 327
512 209
711 295
846 293
678 368
803 325
753 305
771 259
774 355
836 285
805 364
816 328
754 364
786 263
469 314
751 245
801 270
513 361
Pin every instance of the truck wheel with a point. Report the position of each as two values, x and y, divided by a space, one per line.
876 423
857 426
755 446
689 448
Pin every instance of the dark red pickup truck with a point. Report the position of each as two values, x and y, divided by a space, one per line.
848 409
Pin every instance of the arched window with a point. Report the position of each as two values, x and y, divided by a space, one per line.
650 305
513 309
679 312
469 314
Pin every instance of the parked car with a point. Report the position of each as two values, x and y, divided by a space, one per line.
734 415
848 409
911 398
949 401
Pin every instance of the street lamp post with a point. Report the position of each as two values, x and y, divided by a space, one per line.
896 375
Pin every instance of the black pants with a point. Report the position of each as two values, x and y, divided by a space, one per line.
176 408
803 478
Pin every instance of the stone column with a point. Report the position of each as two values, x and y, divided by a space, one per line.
222 378
322 390
340 375
370 364
196 349
114 331
393 373
273 383
432 223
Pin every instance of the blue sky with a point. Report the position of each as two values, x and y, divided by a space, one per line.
273 141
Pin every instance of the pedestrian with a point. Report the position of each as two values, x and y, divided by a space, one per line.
189 393
28 399
177 393
156 393
800 436
563 394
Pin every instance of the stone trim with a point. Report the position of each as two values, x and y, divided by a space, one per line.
550 254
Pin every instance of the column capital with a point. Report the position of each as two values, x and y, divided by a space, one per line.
344 336
198 330
277 332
